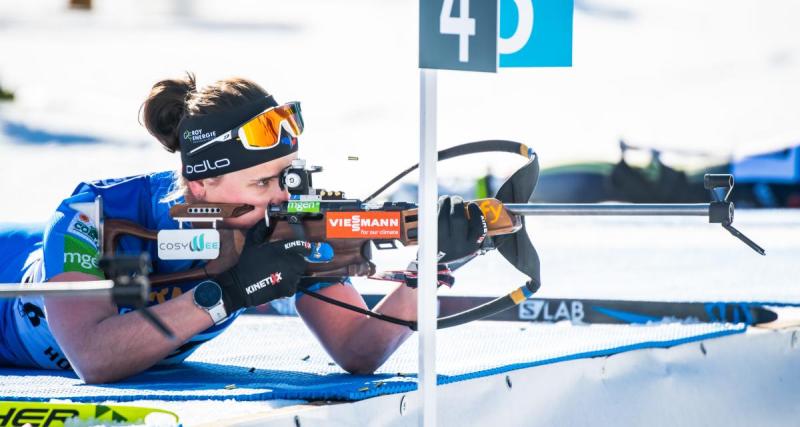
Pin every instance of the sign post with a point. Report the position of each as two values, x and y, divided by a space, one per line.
469 36
426 289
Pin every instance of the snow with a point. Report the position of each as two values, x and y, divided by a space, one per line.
640 258
720 77
716 76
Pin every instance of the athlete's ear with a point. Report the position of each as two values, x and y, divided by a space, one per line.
197 189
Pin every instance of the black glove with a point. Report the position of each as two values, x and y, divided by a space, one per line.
459 237
265 271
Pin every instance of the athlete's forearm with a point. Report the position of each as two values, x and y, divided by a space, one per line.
375 340
119 346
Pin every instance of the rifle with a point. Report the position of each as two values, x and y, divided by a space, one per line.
350 228
353 226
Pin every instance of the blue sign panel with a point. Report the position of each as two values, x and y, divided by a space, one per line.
535 33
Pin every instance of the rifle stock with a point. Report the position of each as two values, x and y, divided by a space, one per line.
352 256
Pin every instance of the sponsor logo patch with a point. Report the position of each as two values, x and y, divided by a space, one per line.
296 206
271 280
364 224
540 310
81 226
199 243
197 135
296 243
188 244
80 256
207 165
491 211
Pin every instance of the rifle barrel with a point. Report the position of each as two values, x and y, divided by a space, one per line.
610 209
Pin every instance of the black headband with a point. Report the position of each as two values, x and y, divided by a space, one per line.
226 155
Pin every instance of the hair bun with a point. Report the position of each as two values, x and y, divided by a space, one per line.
165 107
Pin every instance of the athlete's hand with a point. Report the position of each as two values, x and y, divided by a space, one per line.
459 236
268 270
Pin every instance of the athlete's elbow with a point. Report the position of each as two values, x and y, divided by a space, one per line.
92 371
94 378
96 375
90 376
360 366
360 369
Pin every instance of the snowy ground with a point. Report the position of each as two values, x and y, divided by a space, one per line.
673 259
716 76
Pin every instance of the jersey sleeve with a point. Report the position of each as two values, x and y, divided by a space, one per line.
317 286
71 240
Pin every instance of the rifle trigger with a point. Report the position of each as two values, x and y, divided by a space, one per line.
385 244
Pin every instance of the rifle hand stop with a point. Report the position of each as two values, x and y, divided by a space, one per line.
721 209
132 285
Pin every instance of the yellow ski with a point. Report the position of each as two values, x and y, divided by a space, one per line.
45 414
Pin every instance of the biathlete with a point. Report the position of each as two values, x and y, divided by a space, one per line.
102 342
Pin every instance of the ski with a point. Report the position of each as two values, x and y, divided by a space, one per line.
47 414
597 311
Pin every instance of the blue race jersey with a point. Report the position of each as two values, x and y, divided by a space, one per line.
70 243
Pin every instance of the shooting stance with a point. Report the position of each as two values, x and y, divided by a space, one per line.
235 141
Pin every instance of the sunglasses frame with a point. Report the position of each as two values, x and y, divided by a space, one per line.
228 135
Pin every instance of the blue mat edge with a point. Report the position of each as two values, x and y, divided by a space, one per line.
441 379
387 388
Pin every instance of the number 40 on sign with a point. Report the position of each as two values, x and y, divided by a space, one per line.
467 34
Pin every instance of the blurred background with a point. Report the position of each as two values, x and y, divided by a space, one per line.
706 83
